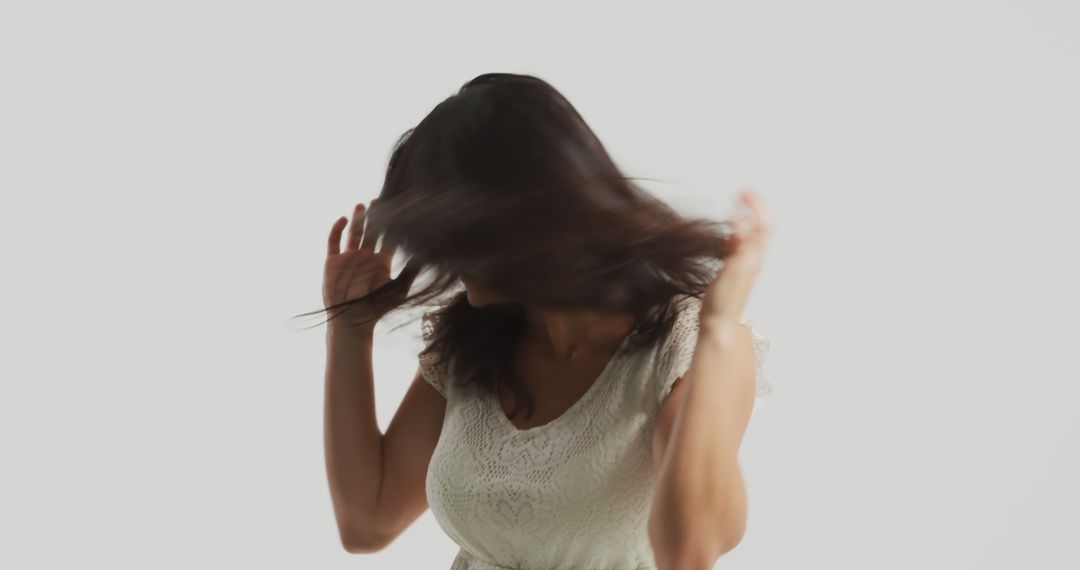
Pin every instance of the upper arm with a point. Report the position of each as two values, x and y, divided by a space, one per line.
669 406
662 434
408 445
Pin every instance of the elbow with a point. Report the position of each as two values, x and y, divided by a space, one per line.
696 555
363 539
687 557
695 552
734 532
730 538
729 543
363 546
362 530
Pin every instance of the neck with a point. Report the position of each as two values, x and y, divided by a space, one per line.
575 334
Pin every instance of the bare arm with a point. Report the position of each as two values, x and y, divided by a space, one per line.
377 481
352 440
699 510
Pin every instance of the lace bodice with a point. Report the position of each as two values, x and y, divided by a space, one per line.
574 492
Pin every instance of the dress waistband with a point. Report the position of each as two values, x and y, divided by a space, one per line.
466 560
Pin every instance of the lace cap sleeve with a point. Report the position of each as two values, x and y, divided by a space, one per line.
678 350
431 367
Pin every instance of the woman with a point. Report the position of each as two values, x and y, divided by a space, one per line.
581 403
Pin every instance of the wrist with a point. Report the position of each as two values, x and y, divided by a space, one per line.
349 332
721 326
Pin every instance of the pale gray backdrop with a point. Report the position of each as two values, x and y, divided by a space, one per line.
171 169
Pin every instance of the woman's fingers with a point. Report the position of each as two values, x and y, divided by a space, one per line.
368 243
388 247
358 238
757 205
334 245
748 215
356 226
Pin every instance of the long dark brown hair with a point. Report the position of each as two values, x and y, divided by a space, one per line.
504 181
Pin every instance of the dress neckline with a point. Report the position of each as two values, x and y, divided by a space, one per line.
493 399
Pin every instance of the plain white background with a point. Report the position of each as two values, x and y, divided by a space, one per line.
171 171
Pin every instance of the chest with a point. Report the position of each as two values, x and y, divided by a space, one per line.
495 484
553 389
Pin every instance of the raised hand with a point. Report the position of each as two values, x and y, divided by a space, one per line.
357 270
726 296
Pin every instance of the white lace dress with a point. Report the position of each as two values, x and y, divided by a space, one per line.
572 493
